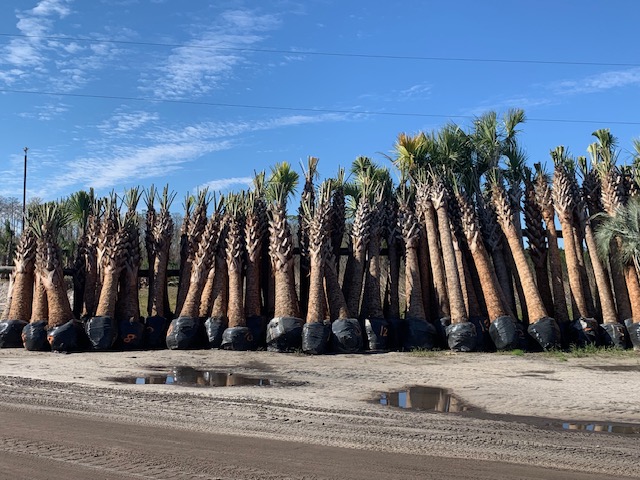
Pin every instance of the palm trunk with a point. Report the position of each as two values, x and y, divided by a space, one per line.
235 309
437 267
622 291
560 308
40 310
393 280
108 295
371 303
352 289
21 294
317 302
337 303
426 281
602 278
158 307
456 299
57 299
631 277
286 304
220 293
413 290
573 268
90 285
206 299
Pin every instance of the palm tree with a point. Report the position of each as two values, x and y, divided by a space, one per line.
413 153
338 216
102 328
317 219
503 328
81 206
565 205
613 331
461 335
256 224
195 228
46 223
537 238
161 234
284 331
128 301
150 221
215 295
307 201
202 262
360 192
603 157
376 326
544 197
420 333
237 336
21 292
623 231
544 329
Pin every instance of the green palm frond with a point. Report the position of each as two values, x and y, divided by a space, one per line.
150 197
282 183
625 227
166 199
80 206
259 183
49 217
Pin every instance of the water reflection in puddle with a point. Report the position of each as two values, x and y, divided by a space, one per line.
424 398
600 427
188 376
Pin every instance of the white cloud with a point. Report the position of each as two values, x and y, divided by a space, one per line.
46 112
222 184
63 65
420 91
203 63
597 83
122 123
108 164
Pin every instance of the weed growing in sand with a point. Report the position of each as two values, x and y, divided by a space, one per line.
423 352
589 351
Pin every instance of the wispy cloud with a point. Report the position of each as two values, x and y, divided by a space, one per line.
554 92
63 65
122 123
420 91
201 66
223 184
597 83
126 163
46 112
110 164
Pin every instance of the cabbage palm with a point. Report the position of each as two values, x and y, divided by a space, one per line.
307 202
623 231
47 221
281 186
603 157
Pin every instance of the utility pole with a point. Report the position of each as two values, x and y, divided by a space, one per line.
24 189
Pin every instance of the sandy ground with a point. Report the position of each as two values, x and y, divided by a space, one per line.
320 419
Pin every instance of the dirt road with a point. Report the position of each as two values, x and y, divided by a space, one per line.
62 416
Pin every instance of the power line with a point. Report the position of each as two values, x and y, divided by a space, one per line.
327 53
296 109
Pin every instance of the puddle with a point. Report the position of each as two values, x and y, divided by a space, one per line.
424 398
191 377
600 427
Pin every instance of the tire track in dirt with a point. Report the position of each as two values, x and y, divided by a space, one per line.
364 426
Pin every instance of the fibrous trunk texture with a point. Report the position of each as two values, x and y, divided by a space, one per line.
281 252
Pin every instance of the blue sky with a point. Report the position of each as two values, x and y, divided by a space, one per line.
174 134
